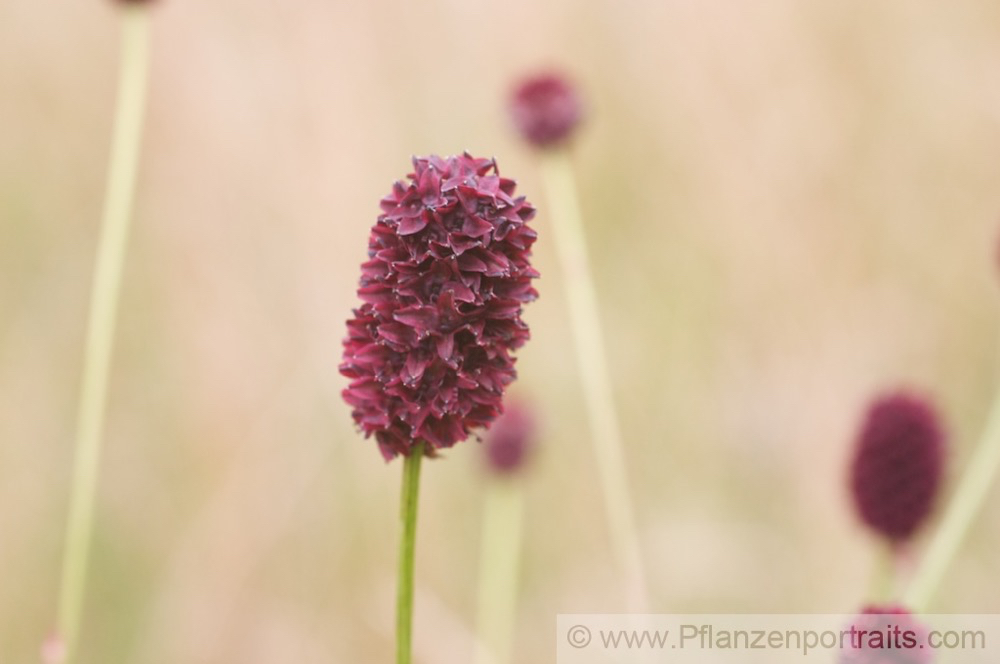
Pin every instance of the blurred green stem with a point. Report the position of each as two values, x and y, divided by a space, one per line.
103 312
965 504
407 548
570 243
499 562
883 581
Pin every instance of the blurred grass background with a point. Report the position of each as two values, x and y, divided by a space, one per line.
791 206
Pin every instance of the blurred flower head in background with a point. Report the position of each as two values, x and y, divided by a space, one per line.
898 464
546 109
511 439
887 634
429 351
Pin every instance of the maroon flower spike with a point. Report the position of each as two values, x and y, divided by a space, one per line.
429 350
545 109
886 635
510 439
898 465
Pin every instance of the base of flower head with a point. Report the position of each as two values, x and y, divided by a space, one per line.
400 441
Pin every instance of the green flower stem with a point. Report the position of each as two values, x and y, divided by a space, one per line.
407 547
568 237
882 587
106 286
499 563
964 506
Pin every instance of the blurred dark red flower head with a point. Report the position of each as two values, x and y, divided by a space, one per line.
886 635
429 351
545 109
511 439
898 464
996 254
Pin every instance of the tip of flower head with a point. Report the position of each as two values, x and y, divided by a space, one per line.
886 634
510 439
545 109
53 650
898 464
430 350
885 610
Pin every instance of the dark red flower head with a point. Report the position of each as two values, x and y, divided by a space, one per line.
429 350
545 109
511 439
898 465
886 635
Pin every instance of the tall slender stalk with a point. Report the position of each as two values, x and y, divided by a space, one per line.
407 548
568 237
965 505
882 586
106 286
499 563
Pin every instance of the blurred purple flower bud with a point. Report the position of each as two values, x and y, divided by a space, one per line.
898 465
886 635
511 439
545 109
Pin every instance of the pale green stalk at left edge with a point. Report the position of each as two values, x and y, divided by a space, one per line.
106 286
407 549
499 563
965 505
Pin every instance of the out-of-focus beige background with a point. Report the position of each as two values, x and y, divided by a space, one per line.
791 206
